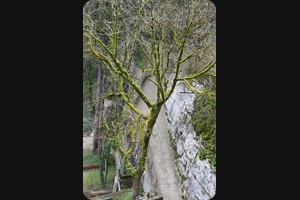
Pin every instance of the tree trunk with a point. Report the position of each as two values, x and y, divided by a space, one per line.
99 132
101 110
97 112
105 171
117 157
116 186
153 114
91 81
136 184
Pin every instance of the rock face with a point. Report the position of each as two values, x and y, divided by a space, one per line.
197 177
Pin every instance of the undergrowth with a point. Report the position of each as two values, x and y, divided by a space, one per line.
204 121
91 178
126 196
90 158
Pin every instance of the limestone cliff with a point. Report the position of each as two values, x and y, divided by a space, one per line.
197 176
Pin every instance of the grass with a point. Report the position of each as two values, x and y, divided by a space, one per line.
126 196
89 158
111 174
91 178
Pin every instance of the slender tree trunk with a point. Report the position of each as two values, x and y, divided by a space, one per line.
99 132
103 167
98 108
102 111
136 184
105 171
117 157
153 114
90 89
116 186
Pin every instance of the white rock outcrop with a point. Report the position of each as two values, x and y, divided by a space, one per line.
198 179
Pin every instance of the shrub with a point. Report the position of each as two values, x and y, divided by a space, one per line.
204 121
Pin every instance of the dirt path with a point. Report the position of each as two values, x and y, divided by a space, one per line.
160 151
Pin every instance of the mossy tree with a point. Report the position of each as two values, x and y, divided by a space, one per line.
170 34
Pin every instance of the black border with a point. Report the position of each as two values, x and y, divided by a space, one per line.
42 109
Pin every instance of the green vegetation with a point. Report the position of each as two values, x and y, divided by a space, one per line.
90 158
91 178
89 74
173 145
87 118
126 196
141 190
140 58
204 121
158 37
111 174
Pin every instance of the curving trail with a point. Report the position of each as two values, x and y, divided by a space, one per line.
163 169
